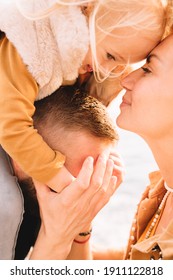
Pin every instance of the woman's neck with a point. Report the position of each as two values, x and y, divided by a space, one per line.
163 153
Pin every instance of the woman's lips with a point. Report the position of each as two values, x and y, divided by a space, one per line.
125 102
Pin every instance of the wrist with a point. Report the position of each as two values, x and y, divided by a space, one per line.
47 248
82 241
83 237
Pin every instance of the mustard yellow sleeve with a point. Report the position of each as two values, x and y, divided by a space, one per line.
18 91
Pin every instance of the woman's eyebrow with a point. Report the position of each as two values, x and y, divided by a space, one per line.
152 55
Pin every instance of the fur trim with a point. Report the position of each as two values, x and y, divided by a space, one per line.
52 48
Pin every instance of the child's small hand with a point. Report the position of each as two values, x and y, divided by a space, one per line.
61 180
119 169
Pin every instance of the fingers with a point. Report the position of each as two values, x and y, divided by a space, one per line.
107 174
99 172
119 168
104 185
117 159
96 198
74 191
119 171
101 176
100 199
112 186
90 180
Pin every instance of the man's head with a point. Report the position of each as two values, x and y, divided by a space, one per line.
75 124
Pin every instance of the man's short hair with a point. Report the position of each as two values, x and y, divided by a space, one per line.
72 109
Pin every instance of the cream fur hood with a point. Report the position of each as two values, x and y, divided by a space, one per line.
53 47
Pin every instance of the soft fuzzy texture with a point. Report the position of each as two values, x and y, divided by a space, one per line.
53 48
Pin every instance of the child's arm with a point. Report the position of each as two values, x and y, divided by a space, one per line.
18 91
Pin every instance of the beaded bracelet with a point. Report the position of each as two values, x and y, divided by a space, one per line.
85 233
82 242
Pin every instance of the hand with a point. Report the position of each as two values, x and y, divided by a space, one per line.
119 169
61 180
66 214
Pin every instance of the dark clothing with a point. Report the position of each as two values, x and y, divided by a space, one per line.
19 213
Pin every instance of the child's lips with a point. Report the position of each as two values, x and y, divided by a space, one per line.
85 69
88 68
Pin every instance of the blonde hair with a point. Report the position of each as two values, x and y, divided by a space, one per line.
169 19
109 15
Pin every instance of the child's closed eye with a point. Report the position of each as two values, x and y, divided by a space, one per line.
110 57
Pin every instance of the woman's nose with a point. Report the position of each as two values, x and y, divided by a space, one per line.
130 80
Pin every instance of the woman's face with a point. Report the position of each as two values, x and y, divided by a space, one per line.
147 105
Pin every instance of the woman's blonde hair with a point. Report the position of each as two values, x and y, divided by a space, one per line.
107 16
169 18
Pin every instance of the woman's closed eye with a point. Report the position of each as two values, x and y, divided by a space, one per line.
146 70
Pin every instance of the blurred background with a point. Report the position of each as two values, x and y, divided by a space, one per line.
112 225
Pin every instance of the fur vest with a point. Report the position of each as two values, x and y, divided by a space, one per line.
53 47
